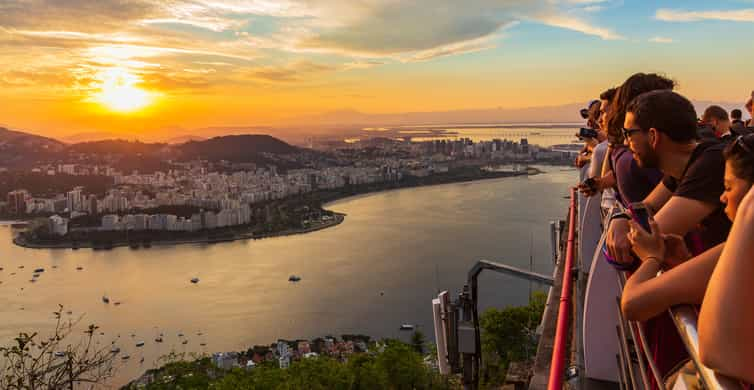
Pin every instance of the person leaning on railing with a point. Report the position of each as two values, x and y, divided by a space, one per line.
726 321
660 127
646 295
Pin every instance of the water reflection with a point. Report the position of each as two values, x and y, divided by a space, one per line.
405 243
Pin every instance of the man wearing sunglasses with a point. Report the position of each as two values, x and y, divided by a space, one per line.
660 128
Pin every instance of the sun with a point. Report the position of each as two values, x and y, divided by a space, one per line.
117 90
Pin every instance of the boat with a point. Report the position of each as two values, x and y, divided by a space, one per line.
125 357
158 339
105 299
142 360
140 344
59 354
194 280
203 344
407 327
79 268
184 342
294 278
180 334
117 303
39 270
115 350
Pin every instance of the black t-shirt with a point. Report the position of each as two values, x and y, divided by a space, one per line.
703 181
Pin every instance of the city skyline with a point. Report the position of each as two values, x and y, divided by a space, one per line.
141 67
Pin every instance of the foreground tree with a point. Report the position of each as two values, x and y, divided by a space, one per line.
55 362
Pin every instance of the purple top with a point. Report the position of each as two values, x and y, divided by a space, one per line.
634 183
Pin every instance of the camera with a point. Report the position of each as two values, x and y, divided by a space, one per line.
587 133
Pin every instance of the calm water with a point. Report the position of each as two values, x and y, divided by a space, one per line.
404 243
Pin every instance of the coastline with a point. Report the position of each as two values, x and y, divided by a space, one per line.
339 218
328 200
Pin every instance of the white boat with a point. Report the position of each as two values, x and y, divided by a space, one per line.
125 357
59 354
194 280
115 350
407 327
140 344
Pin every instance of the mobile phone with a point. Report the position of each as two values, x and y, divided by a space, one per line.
640 214
587 133
591 183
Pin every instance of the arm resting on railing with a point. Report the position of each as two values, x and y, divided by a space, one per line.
726 322
646 295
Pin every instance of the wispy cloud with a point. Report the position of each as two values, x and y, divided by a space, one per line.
673 15
575 24
661 40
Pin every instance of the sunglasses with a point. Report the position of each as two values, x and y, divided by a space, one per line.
741 141
627 133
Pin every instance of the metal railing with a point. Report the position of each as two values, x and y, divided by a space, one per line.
557 364
685 318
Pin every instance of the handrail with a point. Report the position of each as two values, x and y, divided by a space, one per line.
557 363
685 319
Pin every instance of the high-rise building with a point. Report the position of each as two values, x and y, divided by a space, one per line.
17 201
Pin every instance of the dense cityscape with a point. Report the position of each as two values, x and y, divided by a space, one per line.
203 195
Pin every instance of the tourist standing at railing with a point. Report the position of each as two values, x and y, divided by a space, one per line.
661 129
685 282
597 184
726 321
715 119
591 114
632 182
737 126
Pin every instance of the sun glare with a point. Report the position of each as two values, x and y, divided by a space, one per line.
118 91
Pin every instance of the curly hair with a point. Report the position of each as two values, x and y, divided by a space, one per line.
631 88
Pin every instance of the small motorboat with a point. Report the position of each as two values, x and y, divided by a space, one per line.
79 268
142 360
125 357
294 278
115 350
140 344
59 354
180 334
158 339
39 270
184 342
195 280
105 299
407 327
20 266
203 344
116 303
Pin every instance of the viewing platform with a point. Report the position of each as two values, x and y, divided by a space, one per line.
584 341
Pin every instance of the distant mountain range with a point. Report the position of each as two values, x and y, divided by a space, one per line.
16 146
19 149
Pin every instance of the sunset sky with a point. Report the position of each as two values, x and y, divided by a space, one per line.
140 66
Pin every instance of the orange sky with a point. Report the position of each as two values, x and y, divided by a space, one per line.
148 66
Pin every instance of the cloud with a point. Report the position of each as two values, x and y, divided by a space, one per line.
661 40
452 49
190 44
295 71
575 24
671 15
